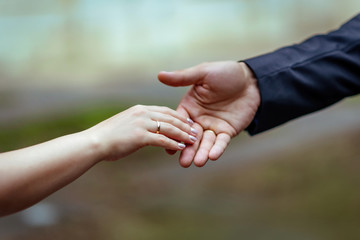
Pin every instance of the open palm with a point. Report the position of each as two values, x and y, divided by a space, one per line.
223 98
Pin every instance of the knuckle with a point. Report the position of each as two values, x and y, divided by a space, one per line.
185 135
139 122
186 128
180 125
137 106
165 108
172 121
139 110
163 140
171 129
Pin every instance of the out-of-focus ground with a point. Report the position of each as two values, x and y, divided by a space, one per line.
66 65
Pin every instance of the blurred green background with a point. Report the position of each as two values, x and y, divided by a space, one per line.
66 65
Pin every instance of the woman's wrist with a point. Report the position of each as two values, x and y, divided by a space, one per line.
94 145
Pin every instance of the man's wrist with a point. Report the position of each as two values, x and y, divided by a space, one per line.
248 72
252 83
253 91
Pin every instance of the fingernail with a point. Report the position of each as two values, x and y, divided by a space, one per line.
194 131
193 139
191 122
181 145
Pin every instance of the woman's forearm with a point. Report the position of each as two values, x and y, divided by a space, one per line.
31 174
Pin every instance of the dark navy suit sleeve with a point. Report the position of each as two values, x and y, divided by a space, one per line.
306 77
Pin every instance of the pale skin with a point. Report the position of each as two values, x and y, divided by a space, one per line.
29 175
223 100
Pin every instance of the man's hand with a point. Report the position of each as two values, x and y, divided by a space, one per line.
223 99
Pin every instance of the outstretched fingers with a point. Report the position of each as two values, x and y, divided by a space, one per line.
206 145
174 132
211 147
170 112
221 143
185 115
159 140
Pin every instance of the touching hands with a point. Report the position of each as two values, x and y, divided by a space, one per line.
222 102
223 99
141 126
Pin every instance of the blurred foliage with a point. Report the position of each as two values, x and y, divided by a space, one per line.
42 129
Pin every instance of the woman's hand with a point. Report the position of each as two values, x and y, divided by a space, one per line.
141 126
60 161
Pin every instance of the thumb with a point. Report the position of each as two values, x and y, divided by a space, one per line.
180 78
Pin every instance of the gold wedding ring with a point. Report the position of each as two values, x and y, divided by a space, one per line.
209 130
158 127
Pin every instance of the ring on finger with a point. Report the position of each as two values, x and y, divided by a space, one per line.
158 127
209 130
